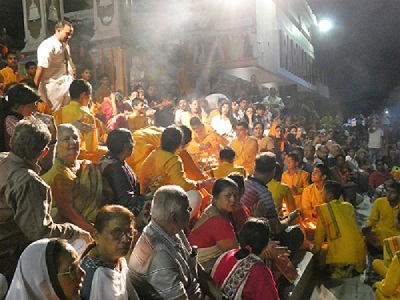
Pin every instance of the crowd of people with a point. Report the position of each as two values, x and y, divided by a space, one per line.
163 195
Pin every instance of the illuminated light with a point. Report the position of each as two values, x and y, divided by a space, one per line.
325 25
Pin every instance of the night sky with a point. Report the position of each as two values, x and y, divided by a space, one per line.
360 55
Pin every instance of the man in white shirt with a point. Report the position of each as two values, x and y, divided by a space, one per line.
181 108
375 141
55 71
274 103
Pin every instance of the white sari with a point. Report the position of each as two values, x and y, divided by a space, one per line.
31 279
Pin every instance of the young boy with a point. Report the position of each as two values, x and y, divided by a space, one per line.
260 114
137 119
345 248
226 157
10 73
30 70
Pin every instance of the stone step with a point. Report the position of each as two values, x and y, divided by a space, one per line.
305 270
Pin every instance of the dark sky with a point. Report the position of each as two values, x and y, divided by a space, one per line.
360 55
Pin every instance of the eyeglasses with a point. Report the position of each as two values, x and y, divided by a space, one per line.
72 271
119 234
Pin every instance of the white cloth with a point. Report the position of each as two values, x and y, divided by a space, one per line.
55 81
212 100
375 139
110 284
178 115
275 104
221 126
31 279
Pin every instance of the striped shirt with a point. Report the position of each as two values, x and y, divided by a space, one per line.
164 267
258 199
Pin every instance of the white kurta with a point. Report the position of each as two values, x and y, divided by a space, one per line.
55 81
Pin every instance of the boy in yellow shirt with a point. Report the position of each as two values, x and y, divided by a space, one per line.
226 167
137 119
81 95
345 247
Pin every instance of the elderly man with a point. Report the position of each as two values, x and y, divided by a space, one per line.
162 264
55 70
25 199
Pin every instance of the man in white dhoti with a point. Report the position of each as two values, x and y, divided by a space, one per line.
55 70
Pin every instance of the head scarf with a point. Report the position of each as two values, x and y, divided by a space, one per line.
31 280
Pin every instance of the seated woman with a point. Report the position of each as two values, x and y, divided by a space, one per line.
250 118
103 261
222 123
121 178
76 185
243 274
47 269
212 243
265 143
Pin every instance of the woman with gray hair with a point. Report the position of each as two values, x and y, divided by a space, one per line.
76 185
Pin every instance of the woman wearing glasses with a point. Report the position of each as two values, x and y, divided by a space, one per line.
47 269
104 260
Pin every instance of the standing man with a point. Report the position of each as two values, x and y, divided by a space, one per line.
274 103
55 71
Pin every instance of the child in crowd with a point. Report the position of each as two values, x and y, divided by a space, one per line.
30 70
226 167
345 248
137 119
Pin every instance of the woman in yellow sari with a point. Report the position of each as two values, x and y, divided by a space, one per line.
77 186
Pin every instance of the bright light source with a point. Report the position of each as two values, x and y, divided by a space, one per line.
325 25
